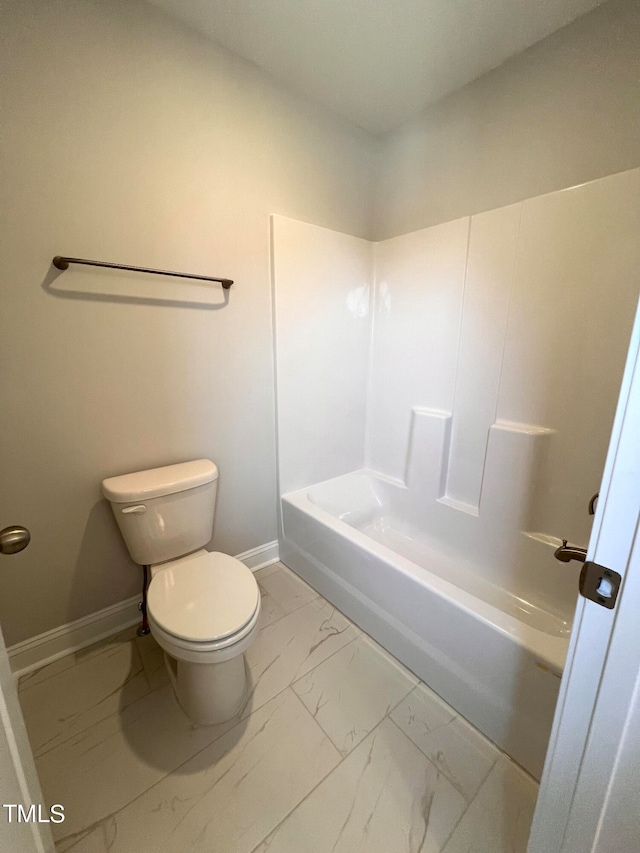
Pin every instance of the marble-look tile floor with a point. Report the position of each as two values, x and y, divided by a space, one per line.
339 749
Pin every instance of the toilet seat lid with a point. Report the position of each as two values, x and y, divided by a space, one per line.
208 597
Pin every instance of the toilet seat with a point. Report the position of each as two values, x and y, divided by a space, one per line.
206 653
203 602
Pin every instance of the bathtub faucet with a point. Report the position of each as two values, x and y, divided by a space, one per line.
565 553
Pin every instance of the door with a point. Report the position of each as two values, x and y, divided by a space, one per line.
590 787
19 783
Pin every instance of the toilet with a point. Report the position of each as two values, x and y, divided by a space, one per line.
203 607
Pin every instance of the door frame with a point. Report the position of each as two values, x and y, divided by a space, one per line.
18 775
588 727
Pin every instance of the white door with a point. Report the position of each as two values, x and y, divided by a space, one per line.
590 792
19 783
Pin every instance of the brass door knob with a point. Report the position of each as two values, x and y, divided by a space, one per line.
14 539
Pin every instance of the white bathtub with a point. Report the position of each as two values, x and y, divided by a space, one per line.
490 652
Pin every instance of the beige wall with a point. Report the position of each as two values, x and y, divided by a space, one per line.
564 112
127 138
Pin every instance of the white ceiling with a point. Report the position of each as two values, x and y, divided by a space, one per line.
377 62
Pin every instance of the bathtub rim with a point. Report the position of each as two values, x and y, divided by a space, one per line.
550 650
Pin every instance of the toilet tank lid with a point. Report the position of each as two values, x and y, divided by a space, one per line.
156 482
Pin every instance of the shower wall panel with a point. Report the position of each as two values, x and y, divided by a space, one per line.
418 305
322 293
485 376
526 323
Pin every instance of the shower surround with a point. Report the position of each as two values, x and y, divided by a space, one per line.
444 401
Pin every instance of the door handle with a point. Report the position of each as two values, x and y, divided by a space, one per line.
14 539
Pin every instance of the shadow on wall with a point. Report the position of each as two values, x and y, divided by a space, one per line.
103 285
103 571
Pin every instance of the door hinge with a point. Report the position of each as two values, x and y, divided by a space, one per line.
600 584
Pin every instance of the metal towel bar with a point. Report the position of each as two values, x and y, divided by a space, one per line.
62 263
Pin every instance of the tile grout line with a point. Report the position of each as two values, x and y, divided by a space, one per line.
343 758
284 615
313 669
102 821
441 773
106 642
346 646
429 759
138 656
291 683
473 799
240 721
83 732
500 755
155 689
110 639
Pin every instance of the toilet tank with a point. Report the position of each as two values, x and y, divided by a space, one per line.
164 513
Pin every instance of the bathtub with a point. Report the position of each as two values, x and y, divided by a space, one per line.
487 650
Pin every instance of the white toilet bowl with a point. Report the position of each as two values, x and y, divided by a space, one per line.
203 611
202 606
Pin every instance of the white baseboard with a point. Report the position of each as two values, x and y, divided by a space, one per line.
263 555
38 651
45 648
